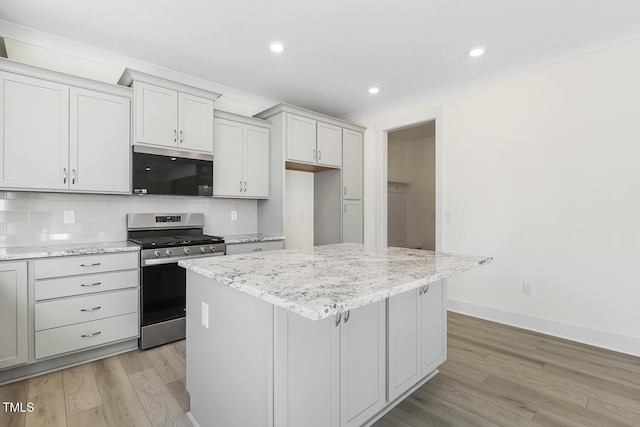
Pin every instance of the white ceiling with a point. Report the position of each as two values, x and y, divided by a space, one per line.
335 49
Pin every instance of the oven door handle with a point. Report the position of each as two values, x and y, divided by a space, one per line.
174 260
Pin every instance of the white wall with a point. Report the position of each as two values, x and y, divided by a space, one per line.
541 172
413 162
37 218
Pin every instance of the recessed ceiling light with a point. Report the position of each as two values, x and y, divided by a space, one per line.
373 90
476 51
276 47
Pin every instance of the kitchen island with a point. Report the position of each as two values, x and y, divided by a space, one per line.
331 335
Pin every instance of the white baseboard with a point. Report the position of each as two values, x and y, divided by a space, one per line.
595 337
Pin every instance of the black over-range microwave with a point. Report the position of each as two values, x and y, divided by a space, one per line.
171 172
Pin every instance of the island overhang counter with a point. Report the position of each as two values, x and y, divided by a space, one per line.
331 335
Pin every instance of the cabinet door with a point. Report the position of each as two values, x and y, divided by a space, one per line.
156 115
34 129
99 142
403 348
306 371
352 143
227 161
13 313
352 228
362 362
256 162
195 123
329 145
433 327
301 139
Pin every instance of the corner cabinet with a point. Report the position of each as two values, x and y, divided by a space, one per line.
170 114
14 311
63 137
241 157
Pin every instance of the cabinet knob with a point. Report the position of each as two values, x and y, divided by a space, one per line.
319 154
346 316
181 137
175 135
344 192
338 318
245 186
314 154
64 175
73 176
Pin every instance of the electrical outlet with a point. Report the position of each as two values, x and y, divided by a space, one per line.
234 215
527 288
69 217
205 315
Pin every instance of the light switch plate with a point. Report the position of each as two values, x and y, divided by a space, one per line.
205 315
234 215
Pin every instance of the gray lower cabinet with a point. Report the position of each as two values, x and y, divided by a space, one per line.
254 247
85 301
416 336
14 311
352 226
330 372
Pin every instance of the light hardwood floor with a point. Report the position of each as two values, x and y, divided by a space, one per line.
495 375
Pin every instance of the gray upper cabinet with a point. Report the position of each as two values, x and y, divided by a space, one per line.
13 314
314 142
63 137
352 146
241 157
170 114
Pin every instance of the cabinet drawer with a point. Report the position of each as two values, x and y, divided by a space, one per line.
85 264
53 314
78 285
84 335
243 248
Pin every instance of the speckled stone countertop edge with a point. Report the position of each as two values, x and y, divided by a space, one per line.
67 249
320 312
234 239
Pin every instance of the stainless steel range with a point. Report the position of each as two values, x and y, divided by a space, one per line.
165 239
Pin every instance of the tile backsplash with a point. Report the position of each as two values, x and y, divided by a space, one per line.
28 218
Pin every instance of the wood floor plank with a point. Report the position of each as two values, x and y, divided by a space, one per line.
616 412
458 369
456 415
121 404
49 410
551 419
14 393
45 384
179 349
80 389
410 413
135 361
166 363
179 390
157 400
94 417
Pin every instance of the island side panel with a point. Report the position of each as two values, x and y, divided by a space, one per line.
230 363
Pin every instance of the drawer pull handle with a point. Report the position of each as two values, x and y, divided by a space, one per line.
95 264
91 334
338 318
256 249
91 284
91 309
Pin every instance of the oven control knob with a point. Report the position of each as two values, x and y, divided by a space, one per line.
169 252
203 249
186 251
156 253
212 248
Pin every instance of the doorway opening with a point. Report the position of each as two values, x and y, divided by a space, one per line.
411 187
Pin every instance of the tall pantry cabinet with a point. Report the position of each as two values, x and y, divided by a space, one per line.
331 150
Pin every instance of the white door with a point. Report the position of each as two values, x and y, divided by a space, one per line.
403 352
156 115
34 129
99 142
227 160
13 313
433 327
306 371
352 144
362 362
329 145
301 139
195 123
352 224
256 162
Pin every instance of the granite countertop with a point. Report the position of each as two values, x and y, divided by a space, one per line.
28 252
322 281
251 238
